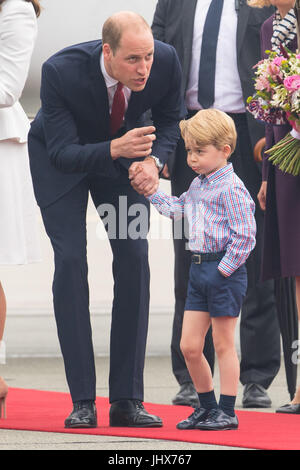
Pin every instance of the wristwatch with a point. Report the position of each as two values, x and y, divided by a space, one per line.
159 165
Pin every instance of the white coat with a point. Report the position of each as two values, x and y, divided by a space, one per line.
19 239
18 30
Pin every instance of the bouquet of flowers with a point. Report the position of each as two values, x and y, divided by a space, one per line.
276 101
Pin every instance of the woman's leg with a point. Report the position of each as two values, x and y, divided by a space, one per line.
194 329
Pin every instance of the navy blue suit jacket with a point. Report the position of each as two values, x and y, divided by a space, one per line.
69 137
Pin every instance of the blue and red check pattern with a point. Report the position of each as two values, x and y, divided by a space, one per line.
220 214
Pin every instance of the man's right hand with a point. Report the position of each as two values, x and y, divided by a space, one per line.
135 143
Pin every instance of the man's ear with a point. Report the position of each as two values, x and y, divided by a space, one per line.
107 52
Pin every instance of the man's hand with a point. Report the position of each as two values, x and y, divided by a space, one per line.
144 177
262 195
135 143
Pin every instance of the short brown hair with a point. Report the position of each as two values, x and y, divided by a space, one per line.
258 3
210 127
35 3
116 24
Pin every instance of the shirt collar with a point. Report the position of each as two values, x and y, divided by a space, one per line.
219 174
110 82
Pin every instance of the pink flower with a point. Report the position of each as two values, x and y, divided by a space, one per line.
298 56
262 83
292 83
258 63
278 60
275 73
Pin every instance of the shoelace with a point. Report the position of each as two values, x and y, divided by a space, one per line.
213 413
139 405
195 412
83 404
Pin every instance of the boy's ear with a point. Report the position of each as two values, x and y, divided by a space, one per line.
227 150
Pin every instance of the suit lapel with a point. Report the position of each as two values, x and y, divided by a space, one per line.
99 90
188 10
243 15
188 17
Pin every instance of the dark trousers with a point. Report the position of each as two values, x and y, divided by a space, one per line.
65 223
259 330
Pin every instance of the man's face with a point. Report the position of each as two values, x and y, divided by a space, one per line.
131 64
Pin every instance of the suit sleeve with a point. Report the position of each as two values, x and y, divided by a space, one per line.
65 151
167 114
159 20
17 39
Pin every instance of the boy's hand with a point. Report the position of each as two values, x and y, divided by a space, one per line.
144 177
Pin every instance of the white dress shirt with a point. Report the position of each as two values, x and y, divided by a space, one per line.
228 89
111 85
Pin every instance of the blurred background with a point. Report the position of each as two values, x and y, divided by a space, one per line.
30 328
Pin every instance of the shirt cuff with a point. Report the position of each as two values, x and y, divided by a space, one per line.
225 268
152 196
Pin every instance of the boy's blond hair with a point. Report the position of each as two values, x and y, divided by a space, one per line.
210 127
259 3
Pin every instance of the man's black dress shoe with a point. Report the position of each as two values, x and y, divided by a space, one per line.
84 415
199 415
291 409
131 413
187 396
255 396
217 420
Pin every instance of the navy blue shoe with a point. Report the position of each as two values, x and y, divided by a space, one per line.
217 420
192 422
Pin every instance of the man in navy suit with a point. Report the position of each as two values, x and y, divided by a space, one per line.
74 150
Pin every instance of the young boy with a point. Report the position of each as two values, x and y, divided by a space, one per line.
222 231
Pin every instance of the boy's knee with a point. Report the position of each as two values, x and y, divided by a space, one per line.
189 350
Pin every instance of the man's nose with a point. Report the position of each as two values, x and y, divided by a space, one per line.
142 67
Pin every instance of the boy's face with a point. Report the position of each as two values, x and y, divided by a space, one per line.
206 159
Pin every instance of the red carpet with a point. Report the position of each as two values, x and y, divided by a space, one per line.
33 410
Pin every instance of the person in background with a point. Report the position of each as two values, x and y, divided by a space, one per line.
279 195
218 43
19 243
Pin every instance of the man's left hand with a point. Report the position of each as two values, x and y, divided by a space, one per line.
144 177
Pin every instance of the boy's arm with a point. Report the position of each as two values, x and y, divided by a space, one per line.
239 208
170 206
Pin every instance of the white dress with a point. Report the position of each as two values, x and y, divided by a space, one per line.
19 237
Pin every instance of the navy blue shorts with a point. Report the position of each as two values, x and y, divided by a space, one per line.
209 291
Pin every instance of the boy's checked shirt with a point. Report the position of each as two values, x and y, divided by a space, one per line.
220 214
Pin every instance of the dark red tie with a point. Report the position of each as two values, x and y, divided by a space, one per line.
117 110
